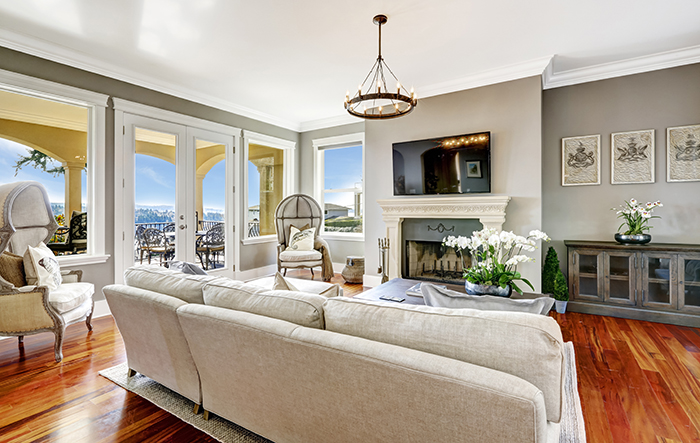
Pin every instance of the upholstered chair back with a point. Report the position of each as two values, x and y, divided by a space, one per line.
297 210
26 216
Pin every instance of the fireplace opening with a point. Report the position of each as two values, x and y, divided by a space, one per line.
432 261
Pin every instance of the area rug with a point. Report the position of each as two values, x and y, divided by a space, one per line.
572 424
216 427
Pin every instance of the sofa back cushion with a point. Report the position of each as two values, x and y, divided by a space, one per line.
525 345
302 308
186 287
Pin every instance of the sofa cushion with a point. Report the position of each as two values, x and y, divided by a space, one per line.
69 296
171 282
302 308
446 298
525 345
282 284
297 256
302 284
301 240
12 269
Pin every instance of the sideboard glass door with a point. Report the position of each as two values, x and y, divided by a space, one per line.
586 284
689 283
620 278
659 280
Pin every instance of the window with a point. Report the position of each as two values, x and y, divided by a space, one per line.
268 179
48 134
339 183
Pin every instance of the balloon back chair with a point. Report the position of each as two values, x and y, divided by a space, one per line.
27 220
300 210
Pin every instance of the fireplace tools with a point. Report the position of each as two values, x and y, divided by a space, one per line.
383 251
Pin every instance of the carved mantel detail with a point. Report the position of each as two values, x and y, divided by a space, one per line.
490 210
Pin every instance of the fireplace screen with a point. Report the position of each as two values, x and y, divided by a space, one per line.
426 260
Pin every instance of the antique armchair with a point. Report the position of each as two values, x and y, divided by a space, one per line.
300 210
27 220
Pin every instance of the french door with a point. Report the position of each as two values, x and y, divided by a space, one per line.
178 195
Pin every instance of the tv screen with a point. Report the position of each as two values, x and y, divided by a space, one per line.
447 165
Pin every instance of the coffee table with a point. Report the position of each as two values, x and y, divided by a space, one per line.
397 288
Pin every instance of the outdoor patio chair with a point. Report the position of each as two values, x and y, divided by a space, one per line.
155 242
76 235
211 244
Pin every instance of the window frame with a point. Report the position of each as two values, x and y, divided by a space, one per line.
289 148
96 105
336 142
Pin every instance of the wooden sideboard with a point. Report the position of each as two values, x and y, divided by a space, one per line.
655 282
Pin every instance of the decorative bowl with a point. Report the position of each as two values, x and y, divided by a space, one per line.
638 239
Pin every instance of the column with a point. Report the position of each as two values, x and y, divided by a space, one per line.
199 197
73 189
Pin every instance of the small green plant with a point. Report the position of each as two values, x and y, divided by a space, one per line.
561 289
550 271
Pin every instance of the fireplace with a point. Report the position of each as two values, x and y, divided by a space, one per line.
425 257
398 213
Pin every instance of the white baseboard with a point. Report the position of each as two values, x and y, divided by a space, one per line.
338 267
101 309
254 273
371 280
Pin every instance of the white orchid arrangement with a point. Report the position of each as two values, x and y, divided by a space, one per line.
636 216
495 255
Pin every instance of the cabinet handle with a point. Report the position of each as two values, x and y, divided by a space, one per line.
574 260
635 294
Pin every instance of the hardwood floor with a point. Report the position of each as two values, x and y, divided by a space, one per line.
638 381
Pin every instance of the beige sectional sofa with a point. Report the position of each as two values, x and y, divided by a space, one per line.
299 368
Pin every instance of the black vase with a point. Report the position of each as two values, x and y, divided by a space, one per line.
637 239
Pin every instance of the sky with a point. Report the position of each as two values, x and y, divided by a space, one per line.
10 152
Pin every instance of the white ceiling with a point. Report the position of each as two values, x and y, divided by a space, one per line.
291 62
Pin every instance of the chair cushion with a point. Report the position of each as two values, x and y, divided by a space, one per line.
41 267
437 296
302 308
282 284
528 346
301 240
69 296
12 269
312 255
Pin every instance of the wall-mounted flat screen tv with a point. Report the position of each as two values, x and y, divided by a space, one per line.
445 165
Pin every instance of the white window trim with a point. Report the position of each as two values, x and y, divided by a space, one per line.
288 147
96 104
121 107
319 145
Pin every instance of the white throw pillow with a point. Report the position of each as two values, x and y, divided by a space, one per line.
282 284
301 240
442 297
41 267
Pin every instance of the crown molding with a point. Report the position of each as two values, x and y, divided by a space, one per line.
637 65
50 51
329 122
490 77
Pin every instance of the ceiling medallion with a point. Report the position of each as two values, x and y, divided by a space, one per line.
377 102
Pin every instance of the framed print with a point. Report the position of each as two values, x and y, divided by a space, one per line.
580 160
683 154
474 169
632 157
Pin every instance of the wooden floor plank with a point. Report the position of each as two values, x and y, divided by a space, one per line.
638 382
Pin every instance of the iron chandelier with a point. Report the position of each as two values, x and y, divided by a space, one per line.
377 102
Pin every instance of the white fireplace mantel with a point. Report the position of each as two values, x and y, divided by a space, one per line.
490 210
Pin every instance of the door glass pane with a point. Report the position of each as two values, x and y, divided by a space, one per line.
210 202
154 195
659 268
588 286
619 266
692 282
619 289
588 264
659 293
265 188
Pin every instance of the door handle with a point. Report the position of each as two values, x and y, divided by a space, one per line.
183 226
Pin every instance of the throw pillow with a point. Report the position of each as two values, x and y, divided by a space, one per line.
12 269
282 284
436 296
301 240
186 267
41 267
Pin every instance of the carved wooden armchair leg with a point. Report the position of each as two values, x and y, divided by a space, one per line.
312 273
20 339
285 272
88 320
59 331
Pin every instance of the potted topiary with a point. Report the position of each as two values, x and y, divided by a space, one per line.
550 271
561 293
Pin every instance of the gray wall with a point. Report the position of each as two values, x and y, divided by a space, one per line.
655 100
252 256
512 111
340 249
